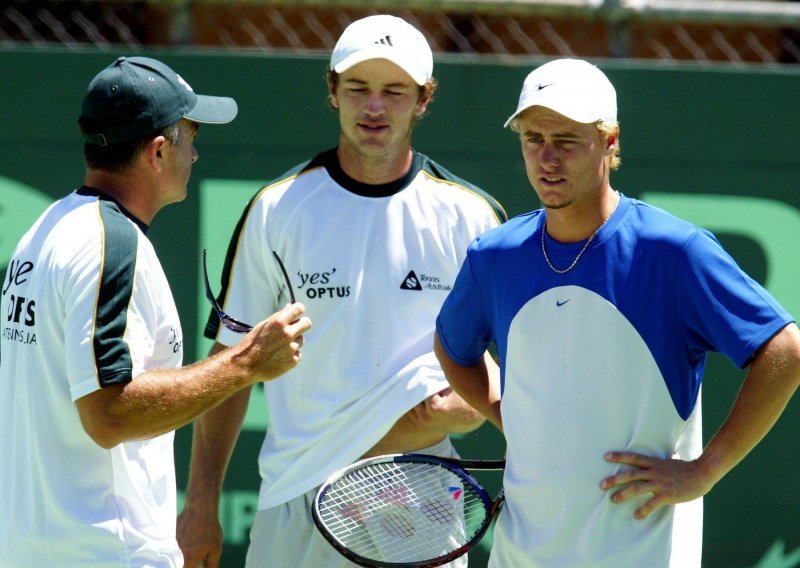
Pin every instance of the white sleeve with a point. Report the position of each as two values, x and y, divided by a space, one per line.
255 288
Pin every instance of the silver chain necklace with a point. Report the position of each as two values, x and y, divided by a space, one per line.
583 250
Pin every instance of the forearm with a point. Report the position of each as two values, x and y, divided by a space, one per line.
406 435
477 389
478 385
429 422
157 402
771 382
453 413
214 437
450 413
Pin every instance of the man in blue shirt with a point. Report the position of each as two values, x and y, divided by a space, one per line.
602 319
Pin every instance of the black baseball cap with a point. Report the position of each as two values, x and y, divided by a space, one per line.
137 96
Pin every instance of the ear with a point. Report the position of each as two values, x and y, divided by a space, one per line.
154 152
611 140
332 93
422 105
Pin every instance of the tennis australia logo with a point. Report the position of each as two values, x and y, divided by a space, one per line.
423 282
411 282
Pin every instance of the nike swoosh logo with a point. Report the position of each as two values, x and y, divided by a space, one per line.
559 304
540 87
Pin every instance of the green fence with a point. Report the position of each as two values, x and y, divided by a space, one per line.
714 145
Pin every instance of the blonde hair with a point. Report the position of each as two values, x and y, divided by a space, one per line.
609 129
605 128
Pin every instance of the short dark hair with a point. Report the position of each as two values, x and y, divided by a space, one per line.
120 156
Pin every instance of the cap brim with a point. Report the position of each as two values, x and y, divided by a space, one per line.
573 111
379 52
510 119
213 110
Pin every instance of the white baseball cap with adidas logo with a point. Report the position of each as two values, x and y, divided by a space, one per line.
384 37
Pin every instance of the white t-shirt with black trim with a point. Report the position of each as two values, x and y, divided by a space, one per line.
372 264
85 304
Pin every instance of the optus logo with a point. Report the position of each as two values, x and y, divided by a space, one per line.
319 285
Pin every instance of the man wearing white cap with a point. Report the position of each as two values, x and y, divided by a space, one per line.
372 234
602 327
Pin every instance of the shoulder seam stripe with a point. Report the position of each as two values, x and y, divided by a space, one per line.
115 289
473 192
213 327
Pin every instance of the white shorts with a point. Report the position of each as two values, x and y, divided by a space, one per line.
286 535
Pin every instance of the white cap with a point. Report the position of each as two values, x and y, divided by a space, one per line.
572 87
384 37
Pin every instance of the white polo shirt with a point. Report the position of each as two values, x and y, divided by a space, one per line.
85 305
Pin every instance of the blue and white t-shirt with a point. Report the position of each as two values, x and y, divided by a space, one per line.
607 356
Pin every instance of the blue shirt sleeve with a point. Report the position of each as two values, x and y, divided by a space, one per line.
722 308
463 323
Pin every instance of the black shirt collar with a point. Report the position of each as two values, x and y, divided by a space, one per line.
330 161
94 192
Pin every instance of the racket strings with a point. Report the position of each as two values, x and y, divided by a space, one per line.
402 511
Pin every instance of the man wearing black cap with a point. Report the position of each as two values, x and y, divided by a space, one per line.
91 382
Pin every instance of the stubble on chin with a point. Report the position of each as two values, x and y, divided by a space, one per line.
558 205
553 202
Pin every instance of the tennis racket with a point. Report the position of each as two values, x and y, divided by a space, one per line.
406 509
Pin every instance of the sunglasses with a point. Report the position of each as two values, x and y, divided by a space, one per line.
226 320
